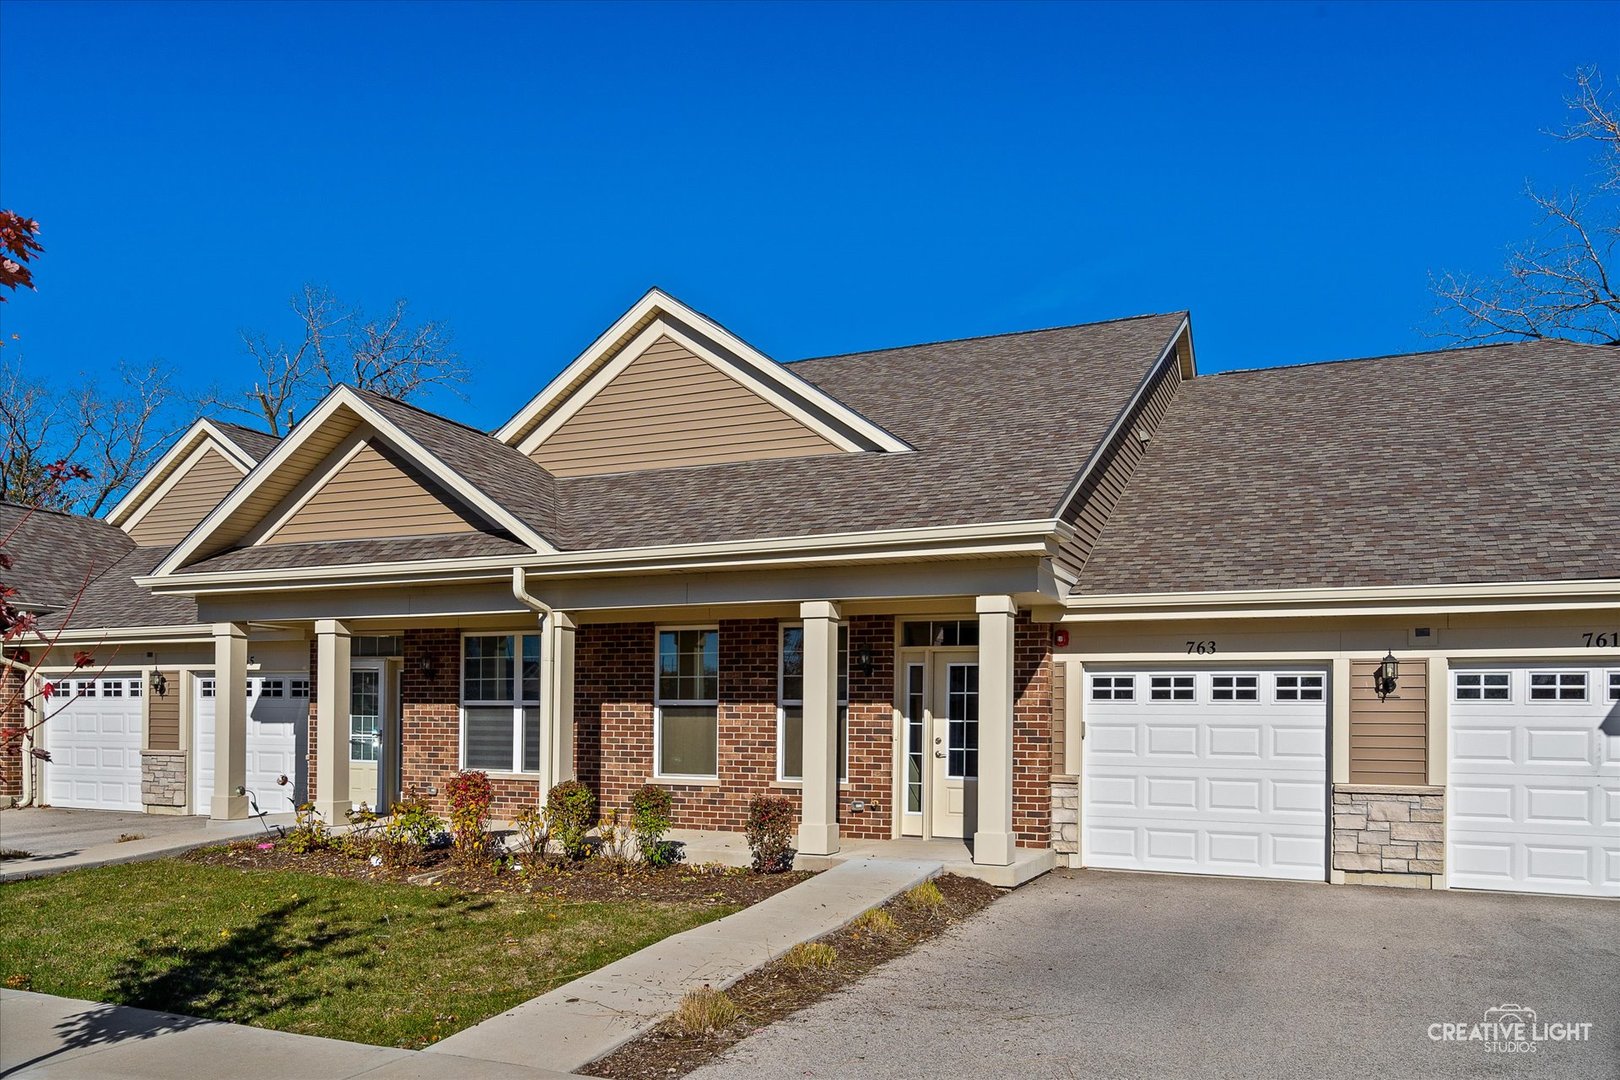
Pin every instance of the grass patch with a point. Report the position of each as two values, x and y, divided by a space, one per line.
811 954
875 921
704 1010
926 895
374 962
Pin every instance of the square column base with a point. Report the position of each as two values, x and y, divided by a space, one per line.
818 839
993 848
228 807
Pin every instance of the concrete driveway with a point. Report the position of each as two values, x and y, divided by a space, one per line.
58 839
1086 973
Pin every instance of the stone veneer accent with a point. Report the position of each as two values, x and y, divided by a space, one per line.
1066 815
163 778
1389 834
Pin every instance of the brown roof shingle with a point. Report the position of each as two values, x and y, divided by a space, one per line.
54 554
1492 464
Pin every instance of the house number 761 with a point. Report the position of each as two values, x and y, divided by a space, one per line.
1596 640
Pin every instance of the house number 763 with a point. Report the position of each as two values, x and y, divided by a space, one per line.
1202 648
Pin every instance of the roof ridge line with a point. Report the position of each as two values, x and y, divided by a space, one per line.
986 337
1400 356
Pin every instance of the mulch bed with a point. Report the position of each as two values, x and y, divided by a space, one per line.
779 990
594 880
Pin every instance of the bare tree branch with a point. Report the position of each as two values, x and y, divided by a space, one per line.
1563 283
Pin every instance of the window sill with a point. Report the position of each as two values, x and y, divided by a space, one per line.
686 781
493 775
797 785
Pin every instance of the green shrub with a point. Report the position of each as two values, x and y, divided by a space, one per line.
570 813
651 810
414 823
470 797
309 832
770 833
532 829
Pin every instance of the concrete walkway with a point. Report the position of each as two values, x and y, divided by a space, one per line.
597 1013
52 1038
60 840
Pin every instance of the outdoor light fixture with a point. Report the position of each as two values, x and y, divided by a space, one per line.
426 668
1386 675
160 685
864 659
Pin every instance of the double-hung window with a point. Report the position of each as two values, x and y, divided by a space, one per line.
688 699
500 702
790 705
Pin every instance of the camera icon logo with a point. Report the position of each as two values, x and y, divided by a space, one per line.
1511 1014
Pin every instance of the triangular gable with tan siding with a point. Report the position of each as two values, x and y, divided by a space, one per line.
670 407
371 495
168 517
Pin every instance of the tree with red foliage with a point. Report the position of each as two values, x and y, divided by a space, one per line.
18 245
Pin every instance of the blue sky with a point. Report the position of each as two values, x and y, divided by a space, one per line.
820 178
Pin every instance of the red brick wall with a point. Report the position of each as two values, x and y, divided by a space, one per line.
613 717
11 719
1032 732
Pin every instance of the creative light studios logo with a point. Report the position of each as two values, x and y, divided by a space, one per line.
1511 1029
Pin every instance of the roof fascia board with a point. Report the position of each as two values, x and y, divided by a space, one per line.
999 539
1117 428
1412 599
774 382
137 501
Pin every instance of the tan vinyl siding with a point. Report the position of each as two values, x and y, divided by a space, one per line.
1389 739
163 715
199 489
371 496
670 408
1060 702
1101 492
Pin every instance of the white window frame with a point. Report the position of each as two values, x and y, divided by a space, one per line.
1234 699
1559 675
1172 700
782 704
518 703
1300 689
659 702
1613 683
1114 687
1457 674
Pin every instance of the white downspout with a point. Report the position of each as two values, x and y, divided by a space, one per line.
548 668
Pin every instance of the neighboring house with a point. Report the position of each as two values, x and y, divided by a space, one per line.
1049 592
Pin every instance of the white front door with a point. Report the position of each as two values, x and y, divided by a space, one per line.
953 743
369 703
277 741
1533 803
1206 772
94 739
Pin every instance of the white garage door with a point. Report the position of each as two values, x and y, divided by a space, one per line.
95 744
1221 772
1534 799
277 736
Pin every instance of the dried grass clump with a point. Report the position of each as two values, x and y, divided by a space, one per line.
809 955
926 895
876 921
704 1010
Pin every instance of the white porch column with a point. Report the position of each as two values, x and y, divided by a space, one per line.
228 799
994 842
556 701
332 691
818 817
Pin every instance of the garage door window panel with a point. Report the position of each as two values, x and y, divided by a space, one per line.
1234 688
1113 687
1558 686
1300 687
1173 688
1482 686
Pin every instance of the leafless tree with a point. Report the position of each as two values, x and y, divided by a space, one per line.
112 433
1563 284
338 343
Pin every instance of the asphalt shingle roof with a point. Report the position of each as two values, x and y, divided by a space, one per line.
115 600
1492 464
255 443
54 555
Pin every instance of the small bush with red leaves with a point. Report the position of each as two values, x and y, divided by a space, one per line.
770 833
470 797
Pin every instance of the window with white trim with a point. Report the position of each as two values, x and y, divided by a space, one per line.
687 724
1481 686
272 688
1558 686
112 688
1172 688
1113 688
1234 688
500 702
205 688
1300 687
87 688
790 704
1614 686
299 688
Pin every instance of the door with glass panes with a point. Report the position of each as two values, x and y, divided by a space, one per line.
368 709
940 742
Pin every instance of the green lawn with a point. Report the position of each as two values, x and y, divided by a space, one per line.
395 965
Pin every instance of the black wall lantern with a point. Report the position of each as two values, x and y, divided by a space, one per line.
426 668
160 685
864 660
1386 676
